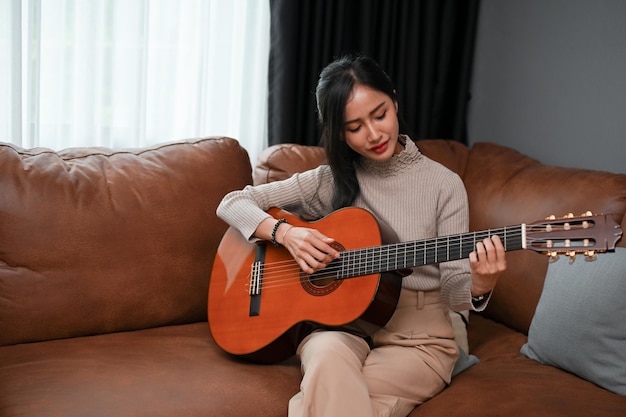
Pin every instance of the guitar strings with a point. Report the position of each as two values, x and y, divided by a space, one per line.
366 258
281 273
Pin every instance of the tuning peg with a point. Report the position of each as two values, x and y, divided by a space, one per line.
590 255
554 256
587 214
570 215
572 256
551 217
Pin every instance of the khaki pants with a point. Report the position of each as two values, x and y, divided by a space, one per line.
412 360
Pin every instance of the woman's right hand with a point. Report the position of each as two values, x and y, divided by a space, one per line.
310 248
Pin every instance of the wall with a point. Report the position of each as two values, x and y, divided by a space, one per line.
550 80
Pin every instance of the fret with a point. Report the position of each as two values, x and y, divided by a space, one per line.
361 261
358 262
417 254
345 262
400 249
404 262
441 250
385 258
468 244
397 257
359 266
474 243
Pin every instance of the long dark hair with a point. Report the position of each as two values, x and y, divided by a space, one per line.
334 87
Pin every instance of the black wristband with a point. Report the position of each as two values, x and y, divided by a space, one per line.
480 298
278 223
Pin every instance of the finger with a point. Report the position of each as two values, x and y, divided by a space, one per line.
490 256
479 252
319 248
499 252
494 250
310 264
473 257
305 267
312 259
497 243
490 250
323 244
318 259
480 260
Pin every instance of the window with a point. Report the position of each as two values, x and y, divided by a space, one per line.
130 73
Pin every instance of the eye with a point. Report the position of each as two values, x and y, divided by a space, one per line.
354 129
382 116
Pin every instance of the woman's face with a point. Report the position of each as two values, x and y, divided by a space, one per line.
371 124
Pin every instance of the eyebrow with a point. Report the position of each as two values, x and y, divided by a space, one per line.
372 112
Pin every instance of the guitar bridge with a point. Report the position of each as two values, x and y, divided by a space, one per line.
256 281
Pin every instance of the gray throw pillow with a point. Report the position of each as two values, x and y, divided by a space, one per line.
580 321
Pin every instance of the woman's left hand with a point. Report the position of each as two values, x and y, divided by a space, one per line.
487 262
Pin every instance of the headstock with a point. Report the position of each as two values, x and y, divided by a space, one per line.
572 235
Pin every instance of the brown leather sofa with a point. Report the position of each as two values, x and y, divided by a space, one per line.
106 255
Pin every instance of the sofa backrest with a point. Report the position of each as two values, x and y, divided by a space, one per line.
504 188
95 240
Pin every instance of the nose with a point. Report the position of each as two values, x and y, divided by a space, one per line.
373 133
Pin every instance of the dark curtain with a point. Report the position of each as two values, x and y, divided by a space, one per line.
425 46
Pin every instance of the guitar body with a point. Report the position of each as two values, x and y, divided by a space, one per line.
267 327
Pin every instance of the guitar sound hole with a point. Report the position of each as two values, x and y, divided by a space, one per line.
322 282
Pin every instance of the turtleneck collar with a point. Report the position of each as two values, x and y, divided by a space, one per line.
397 163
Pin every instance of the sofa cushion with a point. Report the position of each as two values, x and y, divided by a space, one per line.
579 322
279 162
173 371
506 383
97 240
506 187
450 153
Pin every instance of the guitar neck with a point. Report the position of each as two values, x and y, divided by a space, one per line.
392 257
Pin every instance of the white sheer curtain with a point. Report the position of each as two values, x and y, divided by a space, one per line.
130 73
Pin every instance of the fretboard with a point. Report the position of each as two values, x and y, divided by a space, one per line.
392 257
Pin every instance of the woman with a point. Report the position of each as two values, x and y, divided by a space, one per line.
370 165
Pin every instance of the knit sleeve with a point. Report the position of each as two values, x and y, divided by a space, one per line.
453 219
306 194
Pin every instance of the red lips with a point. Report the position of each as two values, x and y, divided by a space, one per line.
380 148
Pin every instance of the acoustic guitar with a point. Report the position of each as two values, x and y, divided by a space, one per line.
261 304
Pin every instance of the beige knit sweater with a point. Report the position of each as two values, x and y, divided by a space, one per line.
416 196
